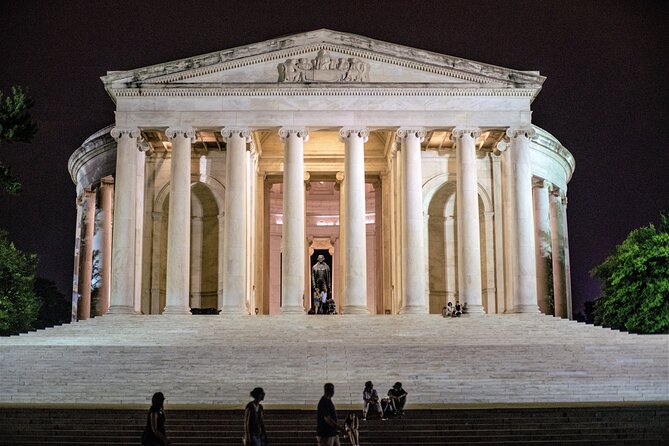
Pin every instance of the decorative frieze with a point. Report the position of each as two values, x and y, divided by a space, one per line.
324 69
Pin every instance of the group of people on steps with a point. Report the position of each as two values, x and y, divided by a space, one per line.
327 423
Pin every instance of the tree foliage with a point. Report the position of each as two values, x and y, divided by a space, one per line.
16 125
635 282
55 308
18 304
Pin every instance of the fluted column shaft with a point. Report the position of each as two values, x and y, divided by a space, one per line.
84 307
107 204
413 252
234 230
524 260
355 282
542 244
559 263
123 252
76 270
293 235
178 228
467 203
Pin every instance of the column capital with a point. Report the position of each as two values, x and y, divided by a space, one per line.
539 183
514 132
186 132
299 132
459 132
501 147
347 132
404 132
242 132
129 132
107 181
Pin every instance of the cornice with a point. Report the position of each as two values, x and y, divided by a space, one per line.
258 91
550 143
353 45
95 145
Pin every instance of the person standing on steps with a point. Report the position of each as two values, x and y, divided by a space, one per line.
254 420
326 418
154 432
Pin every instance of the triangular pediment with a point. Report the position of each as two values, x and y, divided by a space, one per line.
323 57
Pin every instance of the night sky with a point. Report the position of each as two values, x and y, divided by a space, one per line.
605 97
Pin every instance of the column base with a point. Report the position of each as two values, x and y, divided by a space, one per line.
531 309
355 309
414 309
176 309
122 309
475 310
293 309
233 310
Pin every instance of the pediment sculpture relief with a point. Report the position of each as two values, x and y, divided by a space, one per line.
324 69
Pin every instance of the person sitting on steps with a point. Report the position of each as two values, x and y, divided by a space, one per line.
398 398
371 397
352 424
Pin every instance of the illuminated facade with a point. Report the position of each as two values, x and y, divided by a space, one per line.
419 175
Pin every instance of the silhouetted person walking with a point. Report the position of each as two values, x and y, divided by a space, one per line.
254 420
327 426
154 432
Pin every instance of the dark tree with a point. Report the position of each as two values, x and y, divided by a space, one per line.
635 282
16 125
18 304
55 308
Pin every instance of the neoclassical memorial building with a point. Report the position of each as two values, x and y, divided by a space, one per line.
418 176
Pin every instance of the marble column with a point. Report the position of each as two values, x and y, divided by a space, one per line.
84 308
77 260
177 290
524 258
234 230
542 247
125 219
293 229
355 281
107 204
566 257
467 203
413 224
558 248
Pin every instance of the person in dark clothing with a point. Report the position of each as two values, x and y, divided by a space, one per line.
327 425
398 398
254 422
154 432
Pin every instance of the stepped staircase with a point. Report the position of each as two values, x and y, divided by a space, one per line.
474 380
642 425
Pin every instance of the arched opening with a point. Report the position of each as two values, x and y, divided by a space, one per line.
443 249
204 249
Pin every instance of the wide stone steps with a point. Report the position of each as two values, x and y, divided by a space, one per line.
643 425
218 360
